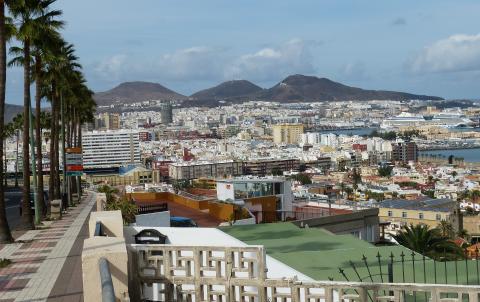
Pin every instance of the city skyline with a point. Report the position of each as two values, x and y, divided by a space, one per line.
371 45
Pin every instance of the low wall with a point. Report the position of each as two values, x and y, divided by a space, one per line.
221 211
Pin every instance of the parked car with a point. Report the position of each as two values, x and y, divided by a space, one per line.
182 222
32 204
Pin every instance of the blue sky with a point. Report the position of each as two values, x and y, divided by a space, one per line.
430 47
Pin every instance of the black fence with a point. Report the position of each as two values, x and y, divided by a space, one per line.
412 268
146 209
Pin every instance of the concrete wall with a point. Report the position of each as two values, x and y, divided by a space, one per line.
363 223
112 249
112 223
158 219
225 191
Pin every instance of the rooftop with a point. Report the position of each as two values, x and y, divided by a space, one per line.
439 205
320 255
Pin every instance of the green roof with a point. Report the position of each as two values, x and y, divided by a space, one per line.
320 254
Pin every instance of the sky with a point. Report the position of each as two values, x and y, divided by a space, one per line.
427 47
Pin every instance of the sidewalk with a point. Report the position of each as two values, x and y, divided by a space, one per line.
42 256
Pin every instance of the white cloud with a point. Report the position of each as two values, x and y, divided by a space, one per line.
354 71
111 67
269 63
456 53
202 63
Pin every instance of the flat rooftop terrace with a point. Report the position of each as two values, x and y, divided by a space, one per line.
320 255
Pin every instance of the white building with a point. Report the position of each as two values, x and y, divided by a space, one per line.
239 188
105 149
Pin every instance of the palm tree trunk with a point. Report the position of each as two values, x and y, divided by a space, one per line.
5 234
38 133
26 219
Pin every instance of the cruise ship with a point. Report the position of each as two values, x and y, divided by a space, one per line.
452 119
446 119
405 119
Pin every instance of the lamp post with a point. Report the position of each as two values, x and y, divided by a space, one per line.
65 193
34 167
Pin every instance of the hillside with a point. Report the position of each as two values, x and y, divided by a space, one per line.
130 92
300 88
11 111
228 90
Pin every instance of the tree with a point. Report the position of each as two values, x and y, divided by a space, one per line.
31 17
429 242
385 171
303 178
446 229
277 172
5 234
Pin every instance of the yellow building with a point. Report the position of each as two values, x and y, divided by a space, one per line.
287 133
405 212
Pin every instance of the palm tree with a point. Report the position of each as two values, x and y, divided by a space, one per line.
33 18
446 229
5 234
42 45
429 242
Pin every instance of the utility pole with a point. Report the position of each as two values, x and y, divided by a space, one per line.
65 193
34 167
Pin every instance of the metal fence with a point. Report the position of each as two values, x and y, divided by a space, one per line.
145 209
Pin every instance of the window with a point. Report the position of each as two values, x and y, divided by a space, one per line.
390 214
404 214
420 215
438 217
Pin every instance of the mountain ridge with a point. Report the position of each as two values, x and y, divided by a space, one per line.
294 88
136 91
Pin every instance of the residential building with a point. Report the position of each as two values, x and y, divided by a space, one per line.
166 113
198 169
266 166
405 212
105 149
107 121
404 151
287 133
247 187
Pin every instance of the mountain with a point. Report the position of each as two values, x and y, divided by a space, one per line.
130 92
300 88
11 111
228 90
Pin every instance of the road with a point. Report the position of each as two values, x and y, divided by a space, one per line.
12 204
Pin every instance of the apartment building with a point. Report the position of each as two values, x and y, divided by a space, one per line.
266 166
107 121
404 151
405 212
106 149
194 170
287 133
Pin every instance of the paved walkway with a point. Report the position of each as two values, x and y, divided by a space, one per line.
39 255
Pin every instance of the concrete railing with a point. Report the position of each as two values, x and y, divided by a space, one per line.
101 201
105 258
238 274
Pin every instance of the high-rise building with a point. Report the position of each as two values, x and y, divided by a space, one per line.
166 113
107 121
287 133
404 151
105 149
